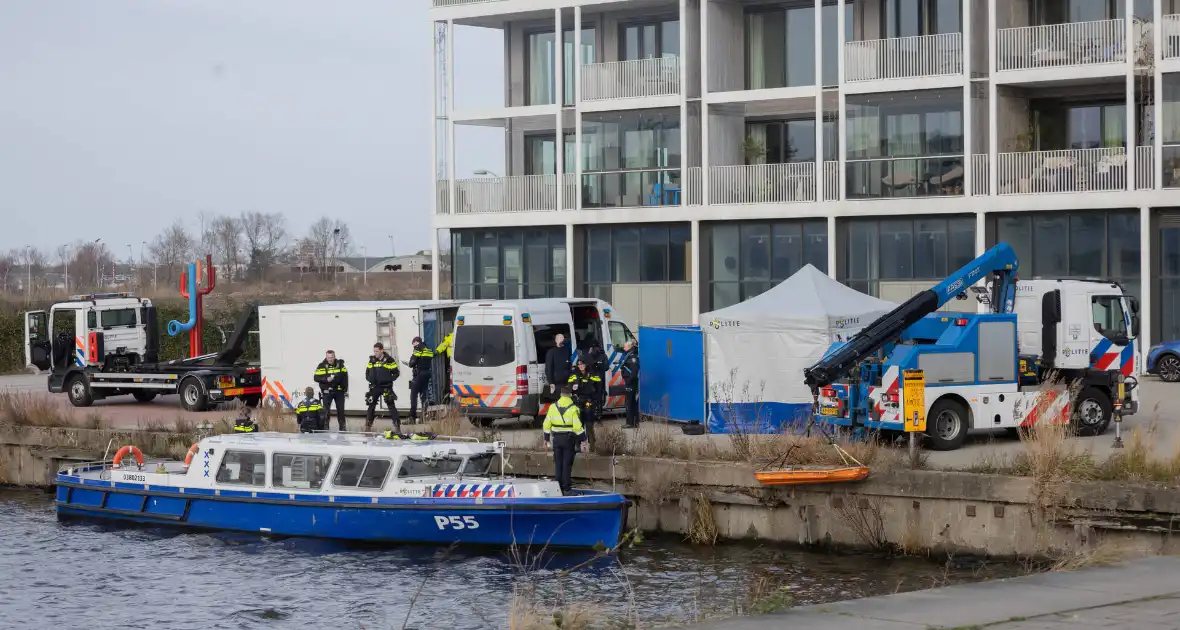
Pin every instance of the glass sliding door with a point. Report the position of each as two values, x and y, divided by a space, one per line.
912 18
540 154
589 56
831 41
649 40
780 48
539 71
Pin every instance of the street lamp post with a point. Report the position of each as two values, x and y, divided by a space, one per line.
130 261
98 264
365 253
29 270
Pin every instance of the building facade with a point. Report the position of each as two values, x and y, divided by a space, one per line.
710 148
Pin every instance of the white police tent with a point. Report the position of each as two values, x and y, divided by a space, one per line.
755 351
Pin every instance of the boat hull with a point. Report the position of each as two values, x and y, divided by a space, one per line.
586 520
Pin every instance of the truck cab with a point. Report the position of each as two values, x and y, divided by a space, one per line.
89 331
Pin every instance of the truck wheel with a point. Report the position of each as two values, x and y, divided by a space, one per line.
1092 412
78 389
947 424
143 396
1168 367
192 396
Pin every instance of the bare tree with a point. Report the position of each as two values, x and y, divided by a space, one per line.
90 262
7 265
326 241
265 235
225 239
173 248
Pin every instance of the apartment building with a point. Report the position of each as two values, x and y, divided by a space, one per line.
710 148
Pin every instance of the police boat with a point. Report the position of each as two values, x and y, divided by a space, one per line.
349 486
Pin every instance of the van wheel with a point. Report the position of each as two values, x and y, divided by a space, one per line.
947 424
78 389
1092 412
192 396
142 396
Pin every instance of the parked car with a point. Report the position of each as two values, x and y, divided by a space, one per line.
1163 360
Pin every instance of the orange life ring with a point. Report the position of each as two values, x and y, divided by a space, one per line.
134 450
192 452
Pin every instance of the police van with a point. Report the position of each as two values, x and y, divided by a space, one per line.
498 367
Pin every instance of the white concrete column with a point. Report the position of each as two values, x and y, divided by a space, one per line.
435 276
449 78
577 108
1146 275
559 88
980 233
832 247
1131 134
696 271
569 260
993 130
819 101
842 122
684 192
705 102
1157 107
968 112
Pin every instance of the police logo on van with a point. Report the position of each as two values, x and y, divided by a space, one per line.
845 322
718 324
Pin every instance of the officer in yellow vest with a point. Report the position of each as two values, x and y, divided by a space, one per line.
310 413
244 423
563 428
444 350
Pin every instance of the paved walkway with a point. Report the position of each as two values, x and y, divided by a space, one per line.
1142 595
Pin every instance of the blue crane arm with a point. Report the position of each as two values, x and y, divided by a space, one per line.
999 261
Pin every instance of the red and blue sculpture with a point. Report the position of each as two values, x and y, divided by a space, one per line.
195 293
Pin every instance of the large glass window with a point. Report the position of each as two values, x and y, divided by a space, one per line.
747 258
360 472
905 144
292 470
910 18
906 251
631 158
1167 298
780 47
541 61
243 468
783 141
1091 244
540 154
831 41
650 39
631 255
508 263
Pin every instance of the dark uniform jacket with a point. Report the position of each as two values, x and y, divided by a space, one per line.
630 369
557 365
382 371
337 369
589 388
422 359
308 412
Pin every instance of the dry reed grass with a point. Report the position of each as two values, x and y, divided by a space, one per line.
527 613
703 530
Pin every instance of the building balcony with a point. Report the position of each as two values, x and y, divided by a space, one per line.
1075 44
1064 171
791 182
1145 168
1170 33
891 178
903 58
631 189
520 193
456 3
639 78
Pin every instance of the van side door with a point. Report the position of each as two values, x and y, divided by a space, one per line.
618 334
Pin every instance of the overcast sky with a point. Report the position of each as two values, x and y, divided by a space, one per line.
118 116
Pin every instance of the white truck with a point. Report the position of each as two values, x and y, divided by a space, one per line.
294 337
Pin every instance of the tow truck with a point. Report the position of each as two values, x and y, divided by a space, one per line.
107 344
988 370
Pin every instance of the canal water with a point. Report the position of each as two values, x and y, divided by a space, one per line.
81 574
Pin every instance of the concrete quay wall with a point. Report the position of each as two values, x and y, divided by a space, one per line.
917 511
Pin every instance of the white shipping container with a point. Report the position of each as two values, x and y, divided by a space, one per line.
294 337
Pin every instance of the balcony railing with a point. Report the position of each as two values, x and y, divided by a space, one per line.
832 180
442 195
904 57
980 175
659 76
936 176
1070 170
1056 45
1170 32
1144 168
762 183
455 3
694 186
521 193
631 189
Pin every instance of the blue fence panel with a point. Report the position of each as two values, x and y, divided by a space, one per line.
672 373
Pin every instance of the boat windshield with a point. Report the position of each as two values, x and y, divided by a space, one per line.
414 466
482 464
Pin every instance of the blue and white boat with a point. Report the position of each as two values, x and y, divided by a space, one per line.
346 486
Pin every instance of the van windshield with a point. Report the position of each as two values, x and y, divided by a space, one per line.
484 346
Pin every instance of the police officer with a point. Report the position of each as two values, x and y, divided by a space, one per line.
445 348
244 423
381 372
630 368
587 389
310 414
422 363
563 428
333 379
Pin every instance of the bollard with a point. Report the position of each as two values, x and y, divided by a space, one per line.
1118 419
914 439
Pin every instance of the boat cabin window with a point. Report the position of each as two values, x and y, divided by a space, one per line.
307 472
361 472
413 466
482 464
244 468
